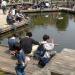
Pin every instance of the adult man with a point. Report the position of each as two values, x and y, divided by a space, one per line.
22 61
10 19
12 41
20 56
27 42
4 4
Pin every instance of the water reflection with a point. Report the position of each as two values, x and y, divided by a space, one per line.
52 26
50 19
47 23
62 24
72 16
41 19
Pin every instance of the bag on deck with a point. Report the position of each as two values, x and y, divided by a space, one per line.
40 51
42 62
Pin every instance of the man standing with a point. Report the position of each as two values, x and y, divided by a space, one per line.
27 42
20 66
4 4
10 19
22 61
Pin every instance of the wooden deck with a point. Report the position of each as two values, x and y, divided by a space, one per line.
68 10
62 63
4 27
59 9
8 63
40 10
10 27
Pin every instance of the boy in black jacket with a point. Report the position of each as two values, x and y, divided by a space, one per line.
27 42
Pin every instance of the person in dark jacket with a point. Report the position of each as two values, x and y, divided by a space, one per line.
27 42
12 41
10 19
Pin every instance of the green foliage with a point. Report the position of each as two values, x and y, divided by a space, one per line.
2 73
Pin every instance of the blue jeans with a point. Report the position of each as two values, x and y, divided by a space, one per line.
20 70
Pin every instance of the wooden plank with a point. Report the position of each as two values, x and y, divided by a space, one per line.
64 62
16 25
8 64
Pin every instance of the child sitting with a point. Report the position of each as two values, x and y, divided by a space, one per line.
48 46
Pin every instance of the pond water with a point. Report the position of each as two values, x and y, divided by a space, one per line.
61 30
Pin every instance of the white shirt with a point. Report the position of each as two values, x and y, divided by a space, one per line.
4 3
48 47
13 38
47 55
47 4
13 12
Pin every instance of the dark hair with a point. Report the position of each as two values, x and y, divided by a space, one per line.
29 34
17 46
14 34
14 7
46 37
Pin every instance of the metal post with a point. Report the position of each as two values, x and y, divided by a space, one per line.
51 3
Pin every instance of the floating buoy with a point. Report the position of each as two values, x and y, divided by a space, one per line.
60 18
46 15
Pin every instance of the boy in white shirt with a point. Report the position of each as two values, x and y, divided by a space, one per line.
48 45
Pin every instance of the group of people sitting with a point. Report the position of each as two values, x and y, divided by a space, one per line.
22 48
14 15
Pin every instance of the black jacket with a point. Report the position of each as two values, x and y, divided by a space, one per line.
26 44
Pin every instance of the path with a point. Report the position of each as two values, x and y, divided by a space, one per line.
64 63
8 64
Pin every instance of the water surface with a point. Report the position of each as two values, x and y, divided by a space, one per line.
63 30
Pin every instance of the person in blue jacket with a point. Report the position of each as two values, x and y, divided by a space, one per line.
20 56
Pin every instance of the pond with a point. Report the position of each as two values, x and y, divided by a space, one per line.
61 30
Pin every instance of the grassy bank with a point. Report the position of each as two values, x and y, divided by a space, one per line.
5 73
2 73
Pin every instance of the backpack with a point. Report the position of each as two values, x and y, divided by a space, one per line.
42 62
40 51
